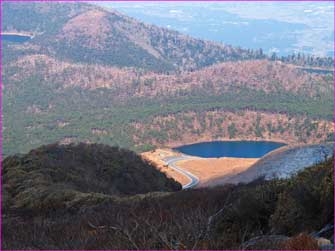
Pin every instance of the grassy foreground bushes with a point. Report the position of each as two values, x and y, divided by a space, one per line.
303 203
223 217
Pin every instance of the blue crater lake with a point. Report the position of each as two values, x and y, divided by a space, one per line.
236 149
15 38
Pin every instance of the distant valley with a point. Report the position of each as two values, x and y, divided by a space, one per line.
284 28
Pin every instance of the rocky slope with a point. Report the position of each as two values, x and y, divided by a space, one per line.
280 164
289 160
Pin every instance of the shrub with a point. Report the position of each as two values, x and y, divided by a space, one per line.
307 202
302 241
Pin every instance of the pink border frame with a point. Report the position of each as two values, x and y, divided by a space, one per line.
152 1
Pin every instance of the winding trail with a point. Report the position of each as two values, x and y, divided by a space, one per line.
171 162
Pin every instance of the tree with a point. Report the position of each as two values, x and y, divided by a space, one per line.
273 56
232 130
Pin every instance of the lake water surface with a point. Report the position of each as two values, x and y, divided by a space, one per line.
236 149
15 38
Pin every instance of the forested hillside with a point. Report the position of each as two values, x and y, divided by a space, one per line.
201 126
87 33
94 75
67 177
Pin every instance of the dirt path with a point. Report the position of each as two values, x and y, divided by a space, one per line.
172 163
205 170
157 159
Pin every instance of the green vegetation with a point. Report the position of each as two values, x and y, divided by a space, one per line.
70 176
303 203
24 130
307 60
232 130
258 128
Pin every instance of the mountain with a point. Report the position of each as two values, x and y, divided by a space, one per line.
95 75
70 176
90 34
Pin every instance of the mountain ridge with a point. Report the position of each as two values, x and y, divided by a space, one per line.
158 47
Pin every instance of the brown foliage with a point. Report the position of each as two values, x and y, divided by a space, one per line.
186 127
217 218
301 242
259 75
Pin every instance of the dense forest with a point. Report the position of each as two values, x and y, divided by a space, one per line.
48 100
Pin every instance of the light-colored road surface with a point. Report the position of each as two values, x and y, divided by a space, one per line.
171 162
